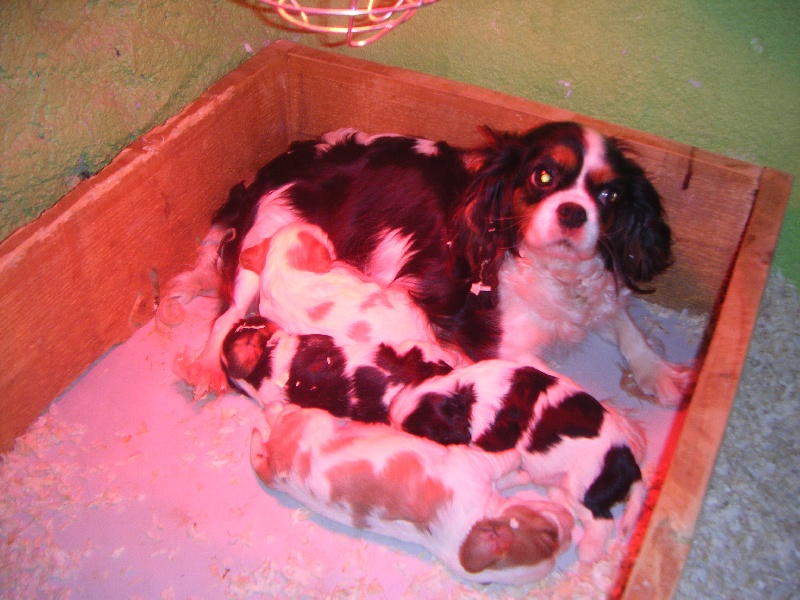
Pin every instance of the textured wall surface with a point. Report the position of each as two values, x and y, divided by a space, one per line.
80 79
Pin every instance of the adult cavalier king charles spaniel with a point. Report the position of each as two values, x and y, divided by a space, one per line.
529 240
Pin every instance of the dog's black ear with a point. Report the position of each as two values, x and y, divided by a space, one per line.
483 224
637 241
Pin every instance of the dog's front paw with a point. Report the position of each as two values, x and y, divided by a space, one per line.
204 373
673 384
663 383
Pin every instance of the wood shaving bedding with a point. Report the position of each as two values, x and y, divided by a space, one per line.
126 488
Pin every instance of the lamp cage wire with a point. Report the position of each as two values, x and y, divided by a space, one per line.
360 21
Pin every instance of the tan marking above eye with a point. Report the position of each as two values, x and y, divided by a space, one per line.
602 176
565 157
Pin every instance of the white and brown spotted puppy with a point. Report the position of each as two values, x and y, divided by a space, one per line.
304 289
586 453
356 381
371 476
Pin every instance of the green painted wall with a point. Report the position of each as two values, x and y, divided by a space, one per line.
81 79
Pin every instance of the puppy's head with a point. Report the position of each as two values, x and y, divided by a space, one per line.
245 352
521 536
561 191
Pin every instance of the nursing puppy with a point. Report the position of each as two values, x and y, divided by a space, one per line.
305 290
356 381
370 476
586 453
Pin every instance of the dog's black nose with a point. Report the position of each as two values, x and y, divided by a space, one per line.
571 215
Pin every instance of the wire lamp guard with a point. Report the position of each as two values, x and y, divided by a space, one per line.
361 21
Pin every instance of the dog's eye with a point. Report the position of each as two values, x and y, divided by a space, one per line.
543 177
606 196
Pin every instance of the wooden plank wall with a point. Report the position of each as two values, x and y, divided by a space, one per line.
81 278
666 532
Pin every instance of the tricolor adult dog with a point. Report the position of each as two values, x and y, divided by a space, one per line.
532 239
370 476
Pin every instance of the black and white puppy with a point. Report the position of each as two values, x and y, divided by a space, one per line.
532 239
355 381
586 454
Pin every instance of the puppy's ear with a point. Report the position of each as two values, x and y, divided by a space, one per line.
637 241
259 457
254 257
309 254
484 229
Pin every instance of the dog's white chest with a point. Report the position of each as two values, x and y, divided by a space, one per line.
543 303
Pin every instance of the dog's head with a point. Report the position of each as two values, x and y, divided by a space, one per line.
565 192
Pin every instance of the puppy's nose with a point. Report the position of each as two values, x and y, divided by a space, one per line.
571 215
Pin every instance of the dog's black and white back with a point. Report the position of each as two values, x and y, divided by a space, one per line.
532 239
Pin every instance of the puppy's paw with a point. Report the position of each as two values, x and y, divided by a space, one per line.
170 313
204 373
634 508
592 545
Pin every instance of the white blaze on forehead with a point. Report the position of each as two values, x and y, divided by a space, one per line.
545 229
594 157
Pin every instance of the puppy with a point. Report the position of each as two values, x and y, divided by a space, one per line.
356 381
585 452
370 476
530 240
304 289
